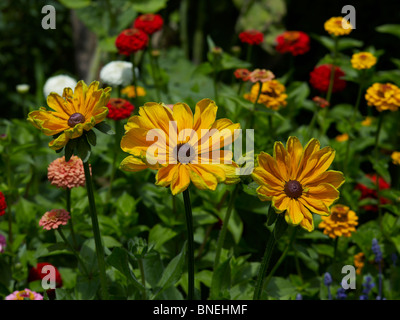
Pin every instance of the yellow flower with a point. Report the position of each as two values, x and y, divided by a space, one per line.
367 121
129 91
383 96
359 263
334 26
187 148
363 60
75 112
296 182
342 137
396 157
341 222
272 95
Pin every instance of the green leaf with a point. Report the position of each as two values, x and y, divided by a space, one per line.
393 29
119 260
381 166
221 281
148 6
281 289
105 128
69 149
160 234
75 4
172 272
91 137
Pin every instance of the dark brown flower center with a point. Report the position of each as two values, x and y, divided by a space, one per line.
76 118
293 189
184 153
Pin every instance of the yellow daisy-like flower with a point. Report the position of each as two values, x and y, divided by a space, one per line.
187 147
129 91
341 222
338 26
396 158
273 94
359 263
75 112
296 182
363 60
383 96
342 137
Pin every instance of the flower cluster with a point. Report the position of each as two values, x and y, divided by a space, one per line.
26 294
341 222
54 218
117 73
119 109
3 204
294 42
321 75
3 243
273 94
66 174
370 193
383 96
131 40
363 60
338 26
149 23
251 37
130 91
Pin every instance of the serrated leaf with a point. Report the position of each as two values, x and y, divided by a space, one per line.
221 281
172 272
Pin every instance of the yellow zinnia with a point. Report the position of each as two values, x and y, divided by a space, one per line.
342 222
272 95
395 157
383 96
296 182
359 263
187 149
75 112
129 91
334 26
363 60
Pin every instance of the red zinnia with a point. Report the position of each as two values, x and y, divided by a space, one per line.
320 78
3 204
367 192
251 37
119 108
37 274
242 74
295 42
131 40
149 22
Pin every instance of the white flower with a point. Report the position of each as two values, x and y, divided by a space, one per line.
117 73
22 88
57 84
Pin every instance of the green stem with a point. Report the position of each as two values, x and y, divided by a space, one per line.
251 121
249 53
154 71
69 209
141 268
183 15
352 121
376 154
76 254
225 224
134 80
332 75
96 231
189 223
118 134
282 257
264 266
335 246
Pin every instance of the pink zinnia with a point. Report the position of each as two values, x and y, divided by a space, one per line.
24 295
54 218
3 243
66 174
261 75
